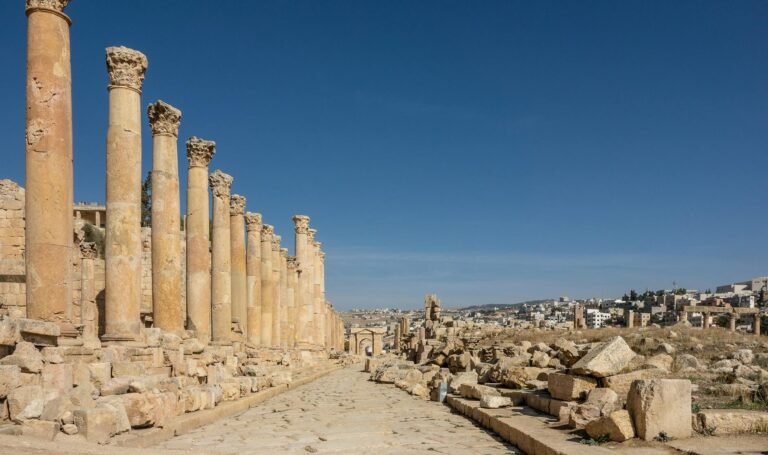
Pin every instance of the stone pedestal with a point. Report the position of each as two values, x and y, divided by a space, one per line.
197 226
253 226
164 122
48 182
239 281
221 260
267 286
122 242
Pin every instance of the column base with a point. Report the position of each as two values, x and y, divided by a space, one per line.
221 343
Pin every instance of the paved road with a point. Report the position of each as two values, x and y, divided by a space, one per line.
343 413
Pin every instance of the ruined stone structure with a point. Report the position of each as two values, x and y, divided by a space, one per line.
366 340
104 329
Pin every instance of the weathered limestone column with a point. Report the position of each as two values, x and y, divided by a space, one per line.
293 308
314 290
164 122
49 193
277 309
756 324
239 281
732 322
630 319
303 301
396 343
89 312
267 287
285 304
253 226
122 243
221 260
705 320
197 225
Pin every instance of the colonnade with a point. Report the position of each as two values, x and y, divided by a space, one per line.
241 285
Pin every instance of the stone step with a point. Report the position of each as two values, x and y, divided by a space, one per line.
525 428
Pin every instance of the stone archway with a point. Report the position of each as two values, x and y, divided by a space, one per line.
365 346
364 337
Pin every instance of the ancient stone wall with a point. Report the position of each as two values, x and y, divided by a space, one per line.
12 271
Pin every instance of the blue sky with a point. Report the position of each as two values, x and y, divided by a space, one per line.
490 152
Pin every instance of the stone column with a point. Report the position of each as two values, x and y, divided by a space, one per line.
48 182
197 226
267 288
732 322
89 312
285 304
396 343
122 242
705 320
303 301
221 260
164 122
756 324
314 248
630 319
253 278
239 281
293 309
276 303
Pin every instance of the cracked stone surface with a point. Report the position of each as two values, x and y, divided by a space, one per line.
343 413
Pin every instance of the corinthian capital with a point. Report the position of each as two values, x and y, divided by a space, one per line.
88 250
164 119
200 152
126 67
267 231
322 256
253 221
292 263
276 242
284 252
311 235
236 205
56 6
301 223
220 183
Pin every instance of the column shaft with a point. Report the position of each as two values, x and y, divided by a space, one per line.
197 226
277 309
48 181
239 280
221 260
122 243
166 219
304 267
267 288
253 277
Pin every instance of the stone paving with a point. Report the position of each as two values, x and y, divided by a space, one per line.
343 413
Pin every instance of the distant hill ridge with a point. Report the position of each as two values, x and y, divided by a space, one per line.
489 306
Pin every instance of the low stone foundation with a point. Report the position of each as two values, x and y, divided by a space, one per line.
49 390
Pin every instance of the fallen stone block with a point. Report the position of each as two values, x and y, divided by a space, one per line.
140 409
58 376
10 378
475 391
95 424
606 400
40 429
660 406
40 333
731 421
621 383
464 377
25 356
494 401
618 426
569 387
26 403
115 405
606 359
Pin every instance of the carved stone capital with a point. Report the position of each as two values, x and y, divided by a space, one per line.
220 183
267 232
126 67
236 205
292 263
311 235
253 222
322 256
200 152
51 6
301 223
88 250
164 119
284 252
276 243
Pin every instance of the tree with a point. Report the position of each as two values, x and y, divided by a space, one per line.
632 295
625 298
680 291
146 201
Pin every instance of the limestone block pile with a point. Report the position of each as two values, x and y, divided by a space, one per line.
96 393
